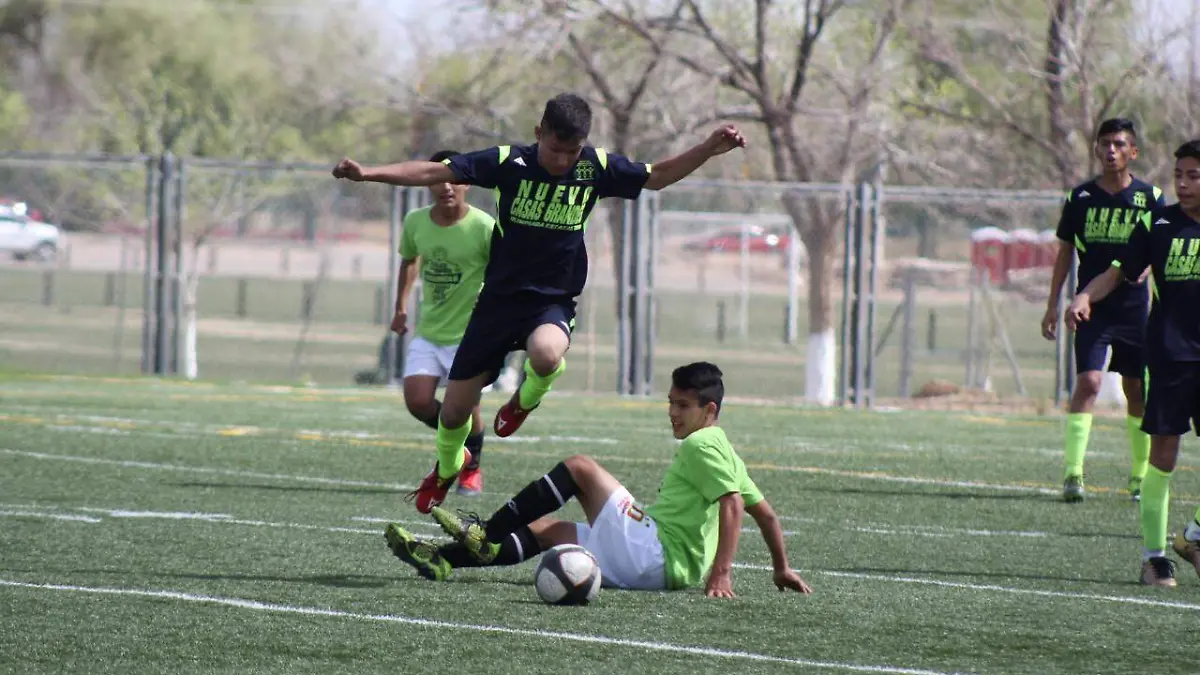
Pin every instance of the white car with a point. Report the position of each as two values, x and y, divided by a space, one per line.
25 237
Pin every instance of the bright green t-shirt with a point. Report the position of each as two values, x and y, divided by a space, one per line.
453 260
705 468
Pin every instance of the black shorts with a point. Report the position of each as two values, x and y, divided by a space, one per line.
1173 399
1093 338
500 325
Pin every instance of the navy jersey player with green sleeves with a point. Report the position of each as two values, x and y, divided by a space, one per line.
538 266
1167 242
1096 223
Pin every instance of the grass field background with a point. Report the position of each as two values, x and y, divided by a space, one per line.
80 333
152 526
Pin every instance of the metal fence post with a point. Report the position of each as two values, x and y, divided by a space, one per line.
178 314
162 265
844 384
149 304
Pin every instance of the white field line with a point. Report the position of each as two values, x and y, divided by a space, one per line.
225 519
58 513
993 588
26 513
53 512
69 422
132 464
478 628
863 475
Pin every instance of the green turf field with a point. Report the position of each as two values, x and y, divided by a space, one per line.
154 526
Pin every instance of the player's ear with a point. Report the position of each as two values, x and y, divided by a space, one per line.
537 132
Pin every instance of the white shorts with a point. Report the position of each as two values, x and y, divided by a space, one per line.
426 358
625 542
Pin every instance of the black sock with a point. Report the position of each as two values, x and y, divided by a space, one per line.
474 445
432 420
516 548
544 495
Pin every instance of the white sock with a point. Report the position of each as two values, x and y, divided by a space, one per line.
1159 553
1192 531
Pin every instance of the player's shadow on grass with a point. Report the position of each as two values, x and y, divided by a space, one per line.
296 488
932 495
332 580
932 574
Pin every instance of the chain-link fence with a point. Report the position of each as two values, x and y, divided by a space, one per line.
967 276
288 278
72 292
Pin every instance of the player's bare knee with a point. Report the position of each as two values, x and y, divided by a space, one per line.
544 360
1087 386
582 467
421 408
454 415
1164 450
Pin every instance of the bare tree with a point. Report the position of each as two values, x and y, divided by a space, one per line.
1069 67
770 65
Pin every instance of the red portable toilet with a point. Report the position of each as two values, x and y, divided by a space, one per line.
1022 249
989 252
1048 248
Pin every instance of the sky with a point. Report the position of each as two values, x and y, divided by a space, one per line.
413 21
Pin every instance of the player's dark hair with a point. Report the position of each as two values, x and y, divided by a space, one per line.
1116 125
441 155
702 378
1190 149
568 117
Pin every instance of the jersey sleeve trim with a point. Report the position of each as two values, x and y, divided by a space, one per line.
602 156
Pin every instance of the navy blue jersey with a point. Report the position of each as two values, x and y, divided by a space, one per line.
1098 224
538 242
1168 241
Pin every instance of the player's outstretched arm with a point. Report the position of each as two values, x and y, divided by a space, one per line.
413 173
720 579
675 169
768 524
1096 290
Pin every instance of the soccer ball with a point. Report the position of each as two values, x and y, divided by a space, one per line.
567 575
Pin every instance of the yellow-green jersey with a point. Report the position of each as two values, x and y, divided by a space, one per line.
705 468
453 260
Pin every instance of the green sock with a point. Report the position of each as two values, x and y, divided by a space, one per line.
450 448
1156 490
534 388
1139 447
1079 427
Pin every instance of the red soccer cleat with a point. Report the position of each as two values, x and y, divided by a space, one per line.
470 481
433 490
510 417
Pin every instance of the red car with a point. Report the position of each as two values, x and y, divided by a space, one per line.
760 240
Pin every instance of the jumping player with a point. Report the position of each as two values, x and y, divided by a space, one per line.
544 195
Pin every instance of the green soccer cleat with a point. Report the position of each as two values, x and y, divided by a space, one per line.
468 531
422 556
1135 488
1073 489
